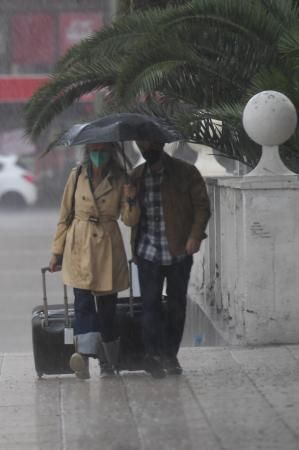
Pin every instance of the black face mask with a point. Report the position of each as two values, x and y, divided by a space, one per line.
152 156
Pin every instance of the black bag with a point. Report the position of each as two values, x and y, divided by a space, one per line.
129 324
51 354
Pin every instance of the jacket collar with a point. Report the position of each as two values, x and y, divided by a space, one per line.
172 173
103 188
167 165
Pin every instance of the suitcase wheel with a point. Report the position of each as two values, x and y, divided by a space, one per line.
39 374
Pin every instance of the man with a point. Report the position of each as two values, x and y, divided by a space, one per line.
174 214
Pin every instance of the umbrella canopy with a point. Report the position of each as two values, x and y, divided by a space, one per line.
119 127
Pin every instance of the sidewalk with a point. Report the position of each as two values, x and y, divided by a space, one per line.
234 399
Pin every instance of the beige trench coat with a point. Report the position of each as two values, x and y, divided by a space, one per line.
93 251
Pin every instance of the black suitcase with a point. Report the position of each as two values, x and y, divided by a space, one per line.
129 328
129 324
51 354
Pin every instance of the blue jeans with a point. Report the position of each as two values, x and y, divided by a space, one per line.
163 330
95 317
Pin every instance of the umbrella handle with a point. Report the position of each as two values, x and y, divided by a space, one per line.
126 168
125 161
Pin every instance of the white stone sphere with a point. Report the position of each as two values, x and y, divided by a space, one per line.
269 118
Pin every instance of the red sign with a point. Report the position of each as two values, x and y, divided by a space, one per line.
32 39
73 27
19 88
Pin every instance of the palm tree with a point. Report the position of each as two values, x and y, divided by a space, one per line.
195 64
128 6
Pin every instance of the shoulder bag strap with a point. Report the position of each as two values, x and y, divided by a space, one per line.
72 211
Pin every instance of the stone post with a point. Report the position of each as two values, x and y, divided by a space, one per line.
251 271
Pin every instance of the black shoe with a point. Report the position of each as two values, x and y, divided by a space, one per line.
153 365
106 370
172 366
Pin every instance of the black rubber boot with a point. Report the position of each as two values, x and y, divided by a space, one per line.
106 369
112 353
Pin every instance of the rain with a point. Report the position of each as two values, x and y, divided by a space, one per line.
222 386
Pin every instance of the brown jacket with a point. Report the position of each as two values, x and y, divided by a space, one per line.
93 253
185 203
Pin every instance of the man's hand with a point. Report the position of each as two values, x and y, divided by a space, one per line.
192 246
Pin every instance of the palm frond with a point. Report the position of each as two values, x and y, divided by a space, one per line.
114 40
248 19
275 79
62 91
288 48
232 142
285 12
151 65
162 67
195 64
229 113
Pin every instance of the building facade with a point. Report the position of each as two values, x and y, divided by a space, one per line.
34 34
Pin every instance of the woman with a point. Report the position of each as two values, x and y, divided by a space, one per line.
92 252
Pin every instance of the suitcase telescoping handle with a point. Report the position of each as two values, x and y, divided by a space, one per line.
131 295
45 300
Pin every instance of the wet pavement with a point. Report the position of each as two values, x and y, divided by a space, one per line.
233 399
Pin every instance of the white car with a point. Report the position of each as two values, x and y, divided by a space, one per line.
17 183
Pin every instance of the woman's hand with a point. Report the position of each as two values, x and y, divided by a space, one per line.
129 191
55 263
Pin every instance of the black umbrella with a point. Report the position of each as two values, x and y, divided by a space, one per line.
120 127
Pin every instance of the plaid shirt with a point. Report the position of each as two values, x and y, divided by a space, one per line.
152 243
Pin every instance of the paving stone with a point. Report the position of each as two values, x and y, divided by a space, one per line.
269 368
236 410
227 399
97 415
294 350
167 415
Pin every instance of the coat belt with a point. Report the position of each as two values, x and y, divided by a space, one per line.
96 220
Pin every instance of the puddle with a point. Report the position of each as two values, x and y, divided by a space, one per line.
199 330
